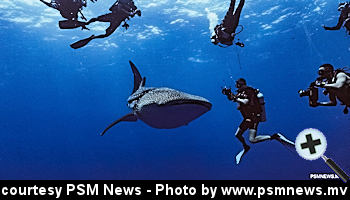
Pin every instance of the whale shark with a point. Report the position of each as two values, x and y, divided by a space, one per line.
162 107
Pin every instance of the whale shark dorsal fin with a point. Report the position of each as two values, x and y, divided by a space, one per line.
137 77
143 82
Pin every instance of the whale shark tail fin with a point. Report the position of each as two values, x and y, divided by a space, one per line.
127 118
138 81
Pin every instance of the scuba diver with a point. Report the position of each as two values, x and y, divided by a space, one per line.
344 8
69 9
121 11
225 32
336 84
252 107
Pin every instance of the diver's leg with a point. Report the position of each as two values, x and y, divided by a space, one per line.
81 43
237 15
239 8
103 18
239 136
282 139
229 18
232 7
253 138
109 30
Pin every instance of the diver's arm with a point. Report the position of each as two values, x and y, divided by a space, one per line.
338 26
341 81
332 100
115 4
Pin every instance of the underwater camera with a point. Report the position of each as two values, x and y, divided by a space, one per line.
226 91
312 93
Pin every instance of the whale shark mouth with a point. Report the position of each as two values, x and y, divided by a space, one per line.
190 101
172 114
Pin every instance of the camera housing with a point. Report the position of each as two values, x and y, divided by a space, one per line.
312 93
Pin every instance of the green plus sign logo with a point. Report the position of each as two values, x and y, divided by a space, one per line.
311 144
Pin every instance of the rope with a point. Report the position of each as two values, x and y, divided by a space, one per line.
242 28
309 40
238 58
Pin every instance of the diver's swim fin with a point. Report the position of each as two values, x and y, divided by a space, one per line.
82 43
241 154
70 24
127 118
283 140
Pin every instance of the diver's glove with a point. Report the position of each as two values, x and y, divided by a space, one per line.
125 25
320 84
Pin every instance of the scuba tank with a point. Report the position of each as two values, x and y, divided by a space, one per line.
70 24
313 96
262 106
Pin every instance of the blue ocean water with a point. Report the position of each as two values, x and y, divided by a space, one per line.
54 100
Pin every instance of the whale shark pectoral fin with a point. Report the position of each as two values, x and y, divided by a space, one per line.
127 118
137 77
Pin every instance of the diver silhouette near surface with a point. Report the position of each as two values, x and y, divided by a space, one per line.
344 17
70 10
225 32
121 11
251 104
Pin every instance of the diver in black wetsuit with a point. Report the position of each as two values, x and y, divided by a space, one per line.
337 86
251 106
344 17
121 11
225 32
69 9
